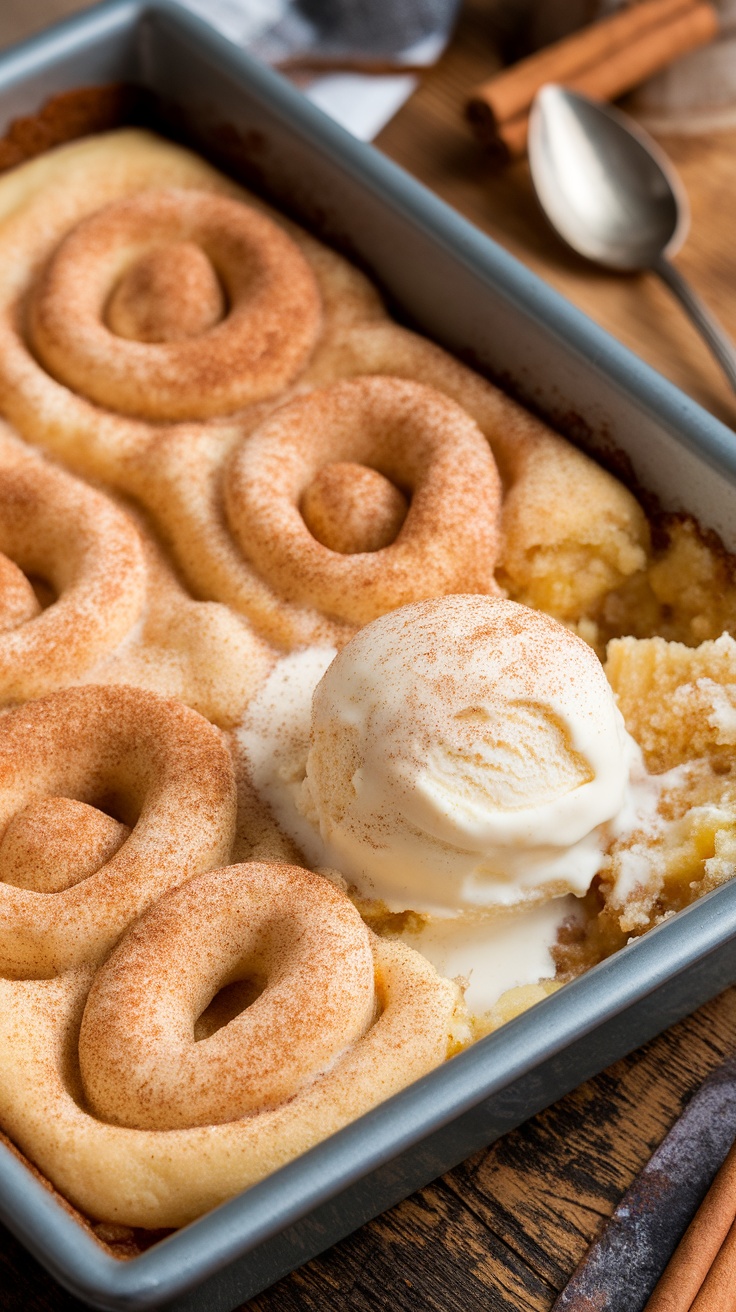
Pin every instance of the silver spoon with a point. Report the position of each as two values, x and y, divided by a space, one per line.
612 194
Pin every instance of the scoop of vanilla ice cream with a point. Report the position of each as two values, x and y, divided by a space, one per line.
465 752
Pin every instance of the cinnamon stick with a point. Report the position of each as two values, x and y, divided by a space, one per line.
510 141
706 1253
513 90
718 1292
604 61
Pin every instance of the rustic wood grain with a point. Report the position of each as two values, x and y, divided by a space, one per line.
22 18
502 1232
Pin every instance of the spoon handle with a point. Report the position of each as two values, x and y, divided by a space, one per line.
705 322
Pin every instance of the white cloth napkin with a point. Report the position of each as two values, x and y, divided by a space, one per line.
362 103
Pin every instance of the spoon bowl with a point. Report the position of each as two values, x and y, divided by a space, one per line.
613 196
607 188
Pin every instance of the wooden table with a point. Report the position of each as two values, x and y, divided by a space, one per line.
503 1231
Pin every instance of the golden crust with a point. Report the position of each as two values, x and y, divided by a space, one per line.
169 776
156 1178
116 612
70 227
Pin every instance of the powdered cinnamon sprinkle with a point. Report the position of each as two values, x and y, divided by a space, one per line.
286 928
93 230
168 773
414 437
352 508
254 352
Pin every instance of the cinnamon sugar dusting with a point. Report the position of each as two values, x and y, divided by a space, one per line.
57 842
291 931
88 237
391 1019
255 351
415 438
169 293
351 508
115 611
168 774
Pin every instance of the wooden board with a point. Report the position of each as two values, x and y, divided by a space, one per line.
503 1232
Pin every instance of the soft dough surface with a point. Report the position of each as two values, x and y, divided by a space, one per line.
85 255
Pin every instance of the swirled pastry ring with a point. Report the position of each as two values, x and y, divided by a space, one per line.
363 1016
175 305
416 439
293 932
164 769
75 540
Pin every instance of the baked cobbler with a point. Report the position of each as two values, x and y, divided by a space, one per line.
348 709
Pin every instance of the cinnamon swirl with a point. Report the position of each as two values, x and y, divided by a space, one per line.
570 533
159 1111
176 305
409 437
87 596
73 875
139 287
86 558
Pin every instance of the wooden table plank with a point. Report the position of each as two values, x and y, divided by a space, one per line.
22 18
502 1232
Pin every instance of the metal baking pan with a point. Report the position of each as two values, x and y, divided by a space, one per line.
457 286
